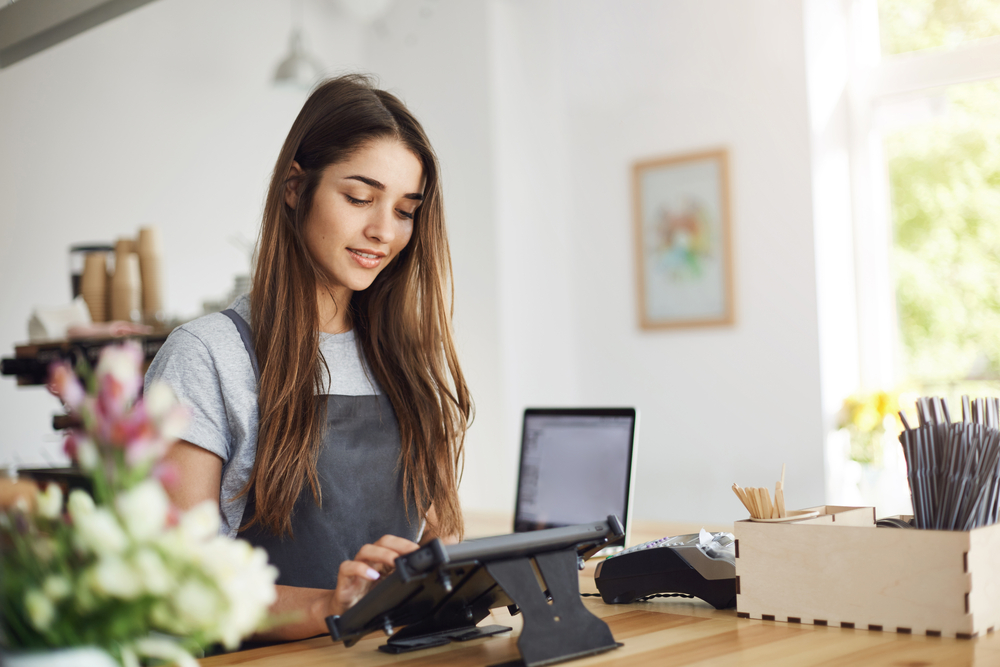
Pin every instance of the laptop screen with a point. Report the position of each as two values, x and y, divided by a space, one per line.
576 466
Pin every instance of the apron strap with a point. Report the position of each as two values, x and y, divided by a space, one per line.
244 329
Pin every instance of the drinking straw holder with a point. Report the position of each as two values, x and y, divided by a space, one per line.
839 569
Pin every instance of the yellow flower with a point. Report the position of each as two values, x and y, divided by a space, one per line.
867 419
867 412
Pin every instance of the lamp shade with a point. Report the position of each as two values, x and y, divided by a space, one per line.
299 69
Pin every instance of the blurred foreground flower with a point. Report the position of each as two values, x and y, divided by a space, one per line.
120 568
867 416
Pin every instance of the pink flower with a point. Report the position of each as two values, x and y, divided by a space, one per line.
143 450
173 516
71 444
113 397
119 374
131 427
167 473
64 384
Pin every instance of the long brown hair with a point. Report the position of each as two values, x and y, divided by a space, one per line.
402 321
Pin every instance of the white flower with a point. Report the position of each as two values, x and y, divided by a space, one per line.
123 363
201 522
50 502
159 399
57 587
153 573
80 504
41 611
113 577
87 456
44 549
163 408
100 532
165 620
197 604
143 510
174 424
247 582
222 588
129 658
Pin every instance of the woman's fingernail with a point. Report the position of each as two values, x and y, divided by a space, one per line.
372 574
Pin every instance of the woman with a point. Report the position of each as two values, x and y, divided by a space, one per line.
329 408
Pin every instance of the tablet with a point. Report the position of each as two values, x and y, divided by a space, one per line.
439 591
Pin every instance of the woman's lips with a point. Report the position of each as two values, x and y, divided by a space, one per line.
367 260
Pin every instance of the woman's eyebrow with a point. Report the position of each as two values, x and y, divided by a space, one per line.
381 186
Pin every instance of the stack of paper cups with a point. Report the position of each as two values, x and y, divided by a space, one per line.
94 285
151 268
126 286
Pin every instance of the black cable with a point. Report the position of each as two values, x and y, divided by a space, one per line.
644 599
663 595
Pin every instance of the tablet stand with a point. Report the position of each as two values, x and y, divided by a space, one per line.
440 630
557 626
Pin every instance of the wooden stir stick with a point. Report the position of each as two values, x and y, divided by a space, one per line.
757 500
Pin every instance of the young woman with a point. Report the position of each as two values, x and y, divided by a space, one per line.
329 408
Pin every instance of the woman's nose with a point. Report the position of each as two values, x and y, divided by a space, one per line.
382 226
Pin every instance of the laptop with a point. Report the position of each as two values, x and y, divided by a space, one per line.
577 465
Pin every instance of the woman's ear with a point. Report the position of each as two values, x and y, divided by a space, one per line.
292 184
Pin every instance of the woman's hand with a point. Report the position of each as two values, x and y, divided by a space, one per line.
309 607
357 577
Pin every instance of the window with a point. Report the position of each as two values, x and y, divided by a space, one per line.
914 25
936 146
944 176
909 91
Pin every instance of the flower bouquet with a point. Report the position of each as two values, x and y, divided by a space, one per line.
121 568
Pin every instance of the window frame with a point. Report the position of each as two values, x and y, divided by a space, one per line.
875 80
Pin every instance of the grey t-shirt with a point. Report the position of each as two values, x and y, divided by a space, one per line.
207 366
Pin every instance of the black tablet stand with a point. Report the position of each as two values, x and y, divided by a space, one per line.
557 626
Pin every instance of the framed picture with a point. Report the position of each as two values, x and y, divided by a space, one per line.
683 249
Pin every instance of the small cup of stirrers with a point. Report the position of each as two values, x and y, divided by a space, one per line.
758 499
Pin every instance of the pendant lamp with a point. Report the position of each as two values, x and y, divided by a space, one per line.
299 69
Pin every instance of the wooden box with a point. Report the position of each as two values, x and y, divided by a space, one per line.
838 569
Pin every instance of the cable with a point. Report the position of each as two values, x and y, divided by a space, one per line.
664 595
644 599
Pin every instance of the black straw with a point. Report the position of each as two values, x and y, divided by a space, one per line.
954 467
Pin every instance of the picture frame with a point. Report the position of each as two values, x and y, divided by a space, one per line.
683 242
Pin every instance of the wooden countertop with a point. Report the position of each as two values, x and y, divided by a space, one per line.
661 631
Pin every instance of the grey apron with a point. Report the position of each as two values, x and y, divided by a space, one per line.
361 487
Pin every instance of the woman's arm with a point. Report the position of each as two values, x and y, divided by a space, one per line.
200 479
355 578
199 475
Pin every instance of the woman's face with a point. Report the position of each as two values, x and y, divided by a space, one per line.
362 212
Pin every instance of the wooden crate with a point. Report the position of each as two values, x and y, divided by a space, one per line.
839 569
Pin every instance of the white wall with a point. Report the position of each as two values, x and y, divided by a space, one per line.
537 110
718 405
